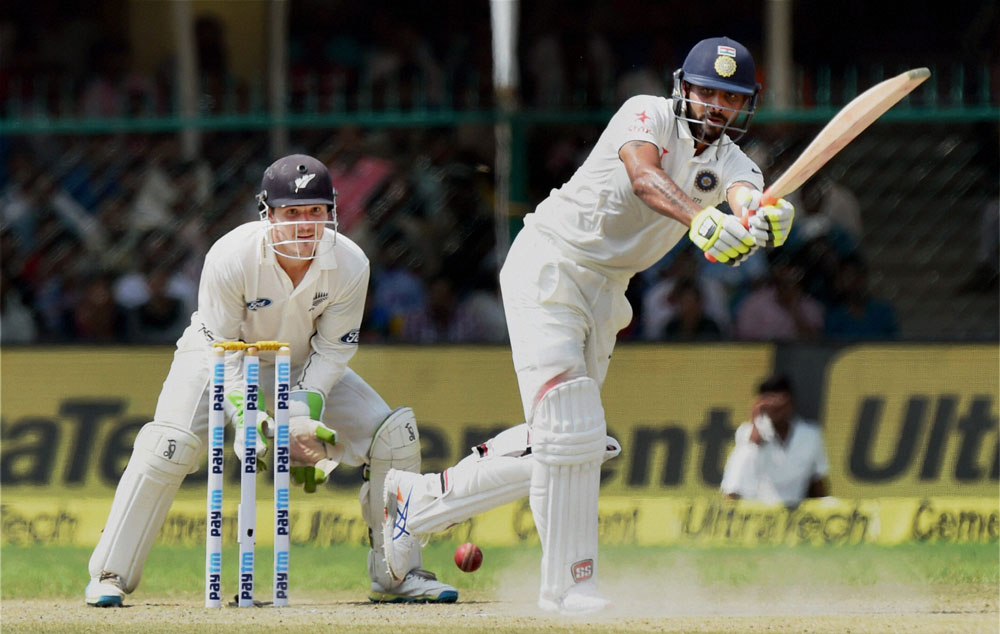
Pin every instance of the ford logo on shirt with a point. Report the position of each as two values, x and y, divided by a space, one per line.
258 303
352 337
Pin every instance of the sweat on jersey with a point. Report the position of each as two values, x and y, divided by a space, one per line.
595 219
245 295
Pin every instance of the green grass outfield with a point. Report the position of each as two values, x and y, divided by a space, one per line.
914 587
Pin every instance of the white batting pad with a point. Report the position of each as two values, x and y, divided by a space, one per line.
568 441
161 456
396 445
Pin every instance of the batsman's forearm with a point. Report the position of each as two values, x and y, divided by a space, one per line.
663 196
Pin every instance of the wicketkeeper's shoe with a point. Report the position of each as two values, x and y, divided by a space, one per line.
105 591
400 502
579 600
419 586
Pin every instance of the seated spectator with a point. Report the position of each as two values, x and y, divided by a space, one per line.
435 321
817 218
779 456
819 261
94 316
114 90
781 310
161 318
690 323
836 202
399 288
358 173
985 277
857 315
17 323
480 317
658 307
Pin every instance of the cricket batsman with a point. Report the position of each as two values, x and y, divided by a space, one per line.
655 175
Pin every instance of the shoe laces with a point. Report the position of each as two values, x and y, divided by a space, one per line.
110 577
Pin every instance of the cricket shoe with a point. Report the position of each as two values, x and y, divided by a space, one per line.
105 591
399 500
579 600
419 586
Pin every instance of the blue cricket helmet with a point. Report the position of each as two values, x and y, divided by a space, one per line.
722 63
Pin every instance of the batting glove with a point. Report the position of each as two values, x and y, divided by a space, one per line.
721 236
313 451
770 225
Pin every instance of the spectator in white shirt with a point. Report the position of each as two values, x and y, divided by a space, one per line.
779 456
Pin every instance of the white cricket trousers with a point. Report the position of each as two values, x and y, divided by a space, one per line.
562 317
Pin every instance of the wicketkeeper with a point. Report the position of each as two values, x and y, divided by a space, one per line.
288 277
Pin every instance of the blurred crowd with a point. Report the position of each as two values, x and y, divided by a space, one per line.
103 239
103 234
60 58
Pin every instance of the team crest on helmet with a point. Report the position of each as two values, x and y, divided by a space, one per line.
725 66
303 181
706 180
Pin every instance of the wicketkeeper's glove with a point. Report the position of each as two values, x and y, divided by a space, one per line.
265 426
313 451
721 236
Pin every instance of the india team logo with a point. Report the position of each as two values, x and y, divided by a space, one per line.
725 66
706 180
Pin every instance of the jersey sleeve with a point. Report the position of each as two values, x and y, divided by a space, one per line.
221 306
336 337
739 168
220 298
639 119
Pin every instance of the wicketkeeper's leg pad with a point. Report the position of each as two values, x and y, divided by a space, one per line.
161 456
395 445
568 441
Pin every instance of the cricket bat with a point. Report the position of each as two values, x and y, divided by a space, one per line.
847 124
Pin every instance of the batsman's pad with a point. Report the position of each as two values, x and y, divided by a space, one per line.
568 441
395 445
161 456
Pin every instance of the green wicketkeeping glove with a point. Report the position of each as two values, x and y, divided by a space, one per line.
265 426
313 450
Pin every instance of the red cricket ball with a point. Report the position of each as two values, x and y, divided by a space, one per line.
468 557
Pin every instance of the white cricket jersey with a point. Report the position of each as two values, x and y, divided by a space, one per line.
776 471
596 219
245 295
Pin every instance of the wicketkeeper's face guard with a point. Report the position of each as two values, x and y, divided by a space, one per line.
298 232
